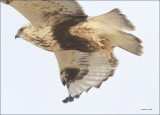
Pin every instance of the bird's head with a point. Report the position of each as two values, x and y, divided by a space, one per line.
24 31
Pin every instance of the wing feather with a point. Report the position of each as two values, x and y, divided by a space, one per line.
94 68
47 12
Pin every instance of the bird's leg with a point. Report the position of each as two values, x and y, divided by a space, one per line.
101 45
110 56
99 42
109 52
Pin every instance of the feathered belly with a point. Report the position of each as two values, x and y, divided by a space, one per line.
47 43
73 43
43 38
69 41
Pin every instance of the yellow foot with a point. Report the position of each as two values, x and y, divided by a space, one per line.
111 58
113 61
101 45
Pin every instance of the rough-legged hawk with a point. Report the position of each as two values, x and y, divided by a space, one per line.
83 45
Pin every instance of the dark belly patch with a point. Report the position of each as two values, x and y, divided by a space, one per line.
70 42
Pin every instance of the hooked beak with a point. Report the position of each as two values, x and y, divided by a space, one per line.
17 36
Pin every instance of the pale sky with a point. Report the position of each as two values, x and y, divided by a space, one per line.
30 81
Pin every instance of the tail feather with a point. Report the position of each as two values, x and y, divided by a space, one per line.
115 18
125 41
111 25
120 19
128 42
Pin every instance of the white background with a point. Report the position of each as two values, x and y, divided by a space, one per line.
30 82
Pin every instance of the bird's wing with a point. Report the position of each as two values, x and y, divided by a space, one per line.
81 71
46 12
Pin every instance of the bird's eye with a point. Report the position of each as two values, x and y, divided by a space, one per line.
21 30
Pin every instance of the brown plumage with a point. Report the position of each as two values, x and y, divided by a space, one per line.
82 45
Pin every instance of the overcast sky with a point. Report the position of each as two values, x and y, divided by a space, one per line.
30 80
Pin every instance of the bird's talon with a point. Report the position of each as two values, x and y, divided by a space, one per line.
112 61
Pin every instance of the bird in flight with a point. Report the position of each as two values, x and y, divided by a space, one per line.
83 45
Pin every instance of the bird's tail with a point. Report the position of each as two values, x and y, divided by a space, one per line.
111 25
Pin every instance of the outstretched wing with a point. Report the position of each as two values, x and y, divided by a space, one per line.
46 12
81 71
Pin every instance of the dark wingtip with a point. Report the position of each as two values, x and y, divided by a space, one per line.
65 101
77 96
68 99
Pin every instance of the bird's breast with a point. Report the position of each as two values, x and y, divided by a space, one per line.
44 39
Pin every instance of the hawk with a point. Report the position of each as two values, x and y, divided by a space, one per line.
83 45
